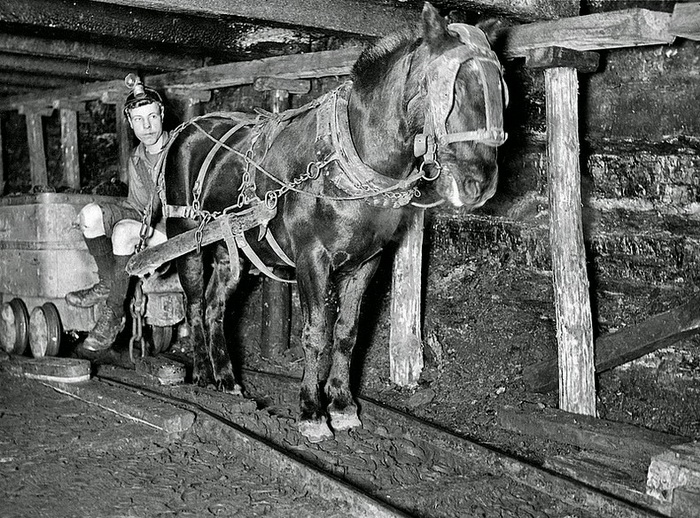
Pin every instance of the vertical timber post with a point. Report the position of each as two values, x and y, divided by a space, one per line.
125 140
69 148
2 163
190 101
276 311
35 140
125 137
405 344
571 287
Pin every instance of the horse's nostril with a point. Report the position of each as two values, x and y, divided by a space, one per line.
473 189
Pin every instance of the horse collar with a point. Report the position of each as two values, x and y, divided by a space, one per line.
334 147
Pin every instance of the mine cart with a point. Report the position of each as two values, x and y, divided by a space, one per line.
43 257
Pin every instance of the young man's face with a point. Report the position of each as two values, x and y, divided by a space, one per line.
147 123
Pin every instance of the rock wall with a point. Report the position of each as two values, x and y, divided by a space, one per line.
640 168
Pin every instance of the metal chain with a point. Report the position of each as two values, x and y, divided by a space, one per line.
138 311
145 229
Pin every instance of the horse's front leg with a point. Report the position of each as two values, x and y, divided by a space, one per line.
351 288
317 302
222 284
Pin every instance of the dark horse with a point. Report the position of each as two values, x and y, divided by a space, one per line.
331 180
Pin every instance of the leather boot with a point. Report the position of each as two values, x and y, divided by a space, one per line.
112 319
105 331
101 250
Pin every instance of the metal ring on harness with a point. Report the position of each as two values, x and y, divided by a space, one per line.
427 178
271 198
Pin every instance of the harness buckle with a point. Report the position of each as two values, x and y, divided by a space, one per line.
424 145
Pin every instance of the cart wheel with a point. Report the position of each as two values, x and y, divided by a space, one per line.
14 326
45 330
161 338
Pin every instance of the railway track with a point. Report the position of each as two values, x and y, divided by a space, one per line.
394 466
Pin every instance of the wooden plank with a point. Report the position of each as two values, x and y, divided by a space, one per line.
553 57
296 66
36 80
37 155
627 344
63 370
592 32
148 260
292 86
606 478
625 28
405 344
143 409
97 52
674 479
69 148
85 69
685 21
571 297
608 437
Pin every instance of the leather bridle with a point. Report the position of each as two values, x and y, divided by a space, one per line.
438 85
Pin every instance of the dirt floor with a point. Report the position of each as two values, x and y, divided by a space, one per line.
484 321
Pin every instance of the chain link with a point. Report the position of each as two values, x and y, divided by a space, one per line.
138 311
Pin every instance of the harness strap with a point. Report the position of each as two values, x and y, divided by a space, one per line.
242 243
229 238
210 156
179 211
492 137
278 249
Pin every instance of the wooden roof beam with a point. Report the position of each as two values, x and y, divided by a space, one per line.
296 66
38 80
84 69
615 29
149 59
685 21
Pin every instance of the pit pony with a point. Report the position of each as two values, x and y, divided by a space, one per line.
323 189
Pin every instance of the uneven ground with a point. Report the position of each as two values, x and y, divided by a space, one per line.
484 321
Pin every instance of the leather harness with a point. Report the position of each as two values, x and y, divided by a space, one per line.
336 155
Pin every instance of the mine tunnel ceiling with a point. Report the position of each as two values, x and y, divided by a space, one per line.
52 44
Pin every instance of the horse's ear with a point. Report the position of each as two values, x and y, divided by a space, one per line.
494 29
434 25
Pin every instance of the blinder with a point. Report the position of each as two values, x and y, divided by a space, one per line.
439 87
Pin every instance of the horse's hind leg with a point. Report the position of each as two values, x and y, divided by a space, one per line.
342 408
221 286
190 269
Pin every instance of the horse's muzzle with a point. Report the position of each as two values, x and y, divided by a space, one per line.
469 188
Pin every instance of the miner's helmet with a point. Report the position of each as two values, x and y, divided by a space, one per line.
140 95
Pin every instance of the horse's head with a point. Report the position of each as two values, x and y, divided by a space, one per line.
463 94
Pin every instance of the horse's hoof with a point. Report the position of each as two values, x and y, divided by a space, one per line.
341 421
235 390
314 431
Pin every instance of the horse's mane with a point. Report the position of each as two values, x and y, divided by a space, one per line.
375 60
